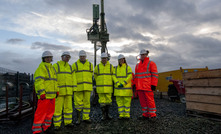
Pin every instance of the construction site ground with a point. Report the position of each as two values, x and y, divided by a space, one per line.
171 118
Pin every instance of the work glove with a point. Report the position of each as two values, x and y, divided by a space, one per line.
42 97
121 85
153 88
57 94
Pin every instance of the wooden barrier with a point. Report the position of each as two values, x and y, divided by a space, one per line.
203 92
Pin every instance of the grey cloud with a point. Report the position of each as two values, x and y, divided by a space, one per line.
14 41
47 46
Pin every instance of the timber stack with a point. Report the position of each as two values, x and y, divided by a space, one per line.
203 93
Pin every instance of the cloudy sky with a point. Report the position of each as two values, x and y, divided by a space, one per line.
178 33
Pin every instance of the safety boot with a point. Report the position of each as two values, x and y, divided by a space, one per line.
103 113
78 117
107 109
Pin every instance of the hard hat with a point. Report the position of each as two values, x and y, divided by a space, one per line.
144 51
121 56
47 54
104 55
82 53
66 53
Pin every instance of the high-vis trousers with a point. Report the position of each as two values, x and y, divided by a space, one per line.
147 103
63 103
82 101
43 115
104 99
123 103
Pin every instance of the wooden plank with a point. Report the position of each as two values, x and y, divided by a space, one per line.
203 90
203 107
216 73
203 98
216 82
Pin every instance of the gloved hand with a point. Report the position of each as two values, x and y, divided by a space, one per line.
121 85
57 94
42 97
153 88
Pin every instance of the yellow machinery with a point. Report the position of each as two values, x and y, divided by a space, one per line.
164 77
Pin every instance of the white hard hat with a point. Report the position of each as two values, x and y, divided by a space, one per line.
82 53
104 55
144 51
66 53
121 56
47 54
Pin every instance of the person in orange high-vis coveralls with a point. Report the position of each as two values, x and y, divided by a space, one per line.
46 88
146 79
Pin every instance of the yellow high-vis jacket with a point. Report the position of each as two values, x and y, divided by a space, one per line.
66 78
103 75
123 75
84 73
46 81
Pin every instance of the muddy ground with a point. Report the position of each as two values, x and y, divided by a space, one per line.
171 119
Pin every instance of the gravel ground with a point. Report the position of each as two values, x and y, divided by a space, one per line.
171 119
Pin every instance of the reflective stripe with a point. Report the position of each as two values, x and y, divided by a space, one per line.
51 92
84 82
87 108
139 77
117 82
148 66
39 91
125 82
104 85
51 79
40 77
70 67
121 111
68 113
83 71
130 73
37 125
58 67
64 73
98 69
121 77
47 120
67 118
79 108
154 73
66 86
48 72
126 71
56 116
105 74
141 73
144 111
47 124
122 88
57 121
127 107
127 111
86 112
144 107
152 111
154 76
152 108
37 129
116 72
76 66
121 107
90 67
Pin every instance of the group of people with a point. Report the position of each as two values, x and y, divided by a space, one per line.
55 85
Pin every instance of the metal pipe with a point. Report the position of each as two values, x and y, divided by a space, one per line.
6 100
20 100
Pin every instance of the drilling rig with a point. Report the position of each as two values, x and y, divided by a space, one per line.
98 33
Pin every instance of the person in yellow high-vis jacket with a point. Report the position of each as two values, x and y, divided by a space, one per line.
66 83
123 92
84 72
46 88
103 74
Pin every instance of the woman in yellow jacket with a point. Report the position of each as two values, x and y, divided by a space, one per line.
46 88
123 91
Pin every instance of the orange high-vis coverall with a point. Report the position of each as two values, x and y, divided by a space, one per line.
146 75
